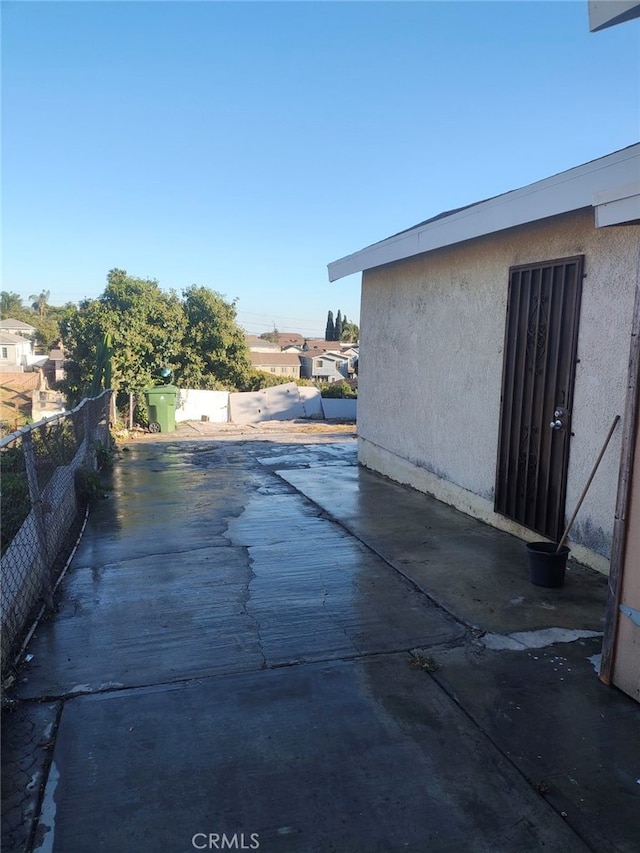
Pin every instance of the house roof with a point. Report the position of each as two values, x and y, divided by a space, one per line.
315 347
327 356
10 324
282 358
253 341
610 185
287 338
10 338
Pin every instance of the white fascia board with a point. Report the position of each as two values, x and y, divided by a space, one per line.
618 206
571 190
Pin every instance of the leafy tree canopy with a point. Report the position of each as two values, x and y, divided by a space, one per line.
274 336
11 306
40 301
146 327
350 332
214 351
46 323
340 329
340 390
197 337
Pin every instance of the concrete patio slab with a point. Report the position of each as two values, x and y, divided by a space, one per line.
473 570
261 641
340 756
568 734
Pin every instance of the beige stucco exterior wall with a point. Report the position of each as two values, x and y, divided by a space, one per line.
432 334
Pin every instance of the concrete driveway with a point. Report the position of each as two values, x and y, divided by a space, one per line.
259 645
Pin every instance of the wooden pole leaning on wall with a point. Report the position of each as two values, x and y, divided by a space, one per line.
586 488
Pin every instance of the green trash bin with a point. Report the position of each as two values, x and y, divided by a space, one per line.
161 402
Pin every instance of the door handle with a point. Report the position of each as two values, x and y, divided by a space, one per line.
557 422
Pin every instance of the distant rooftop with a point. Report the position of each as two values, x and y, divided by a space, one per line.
16 325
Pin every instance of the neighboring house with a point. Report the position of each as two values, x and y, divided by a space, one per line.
16 352
321 360
54 367
497 316
317 345
278 363
256 344
326 367
287 339
351 354
17 327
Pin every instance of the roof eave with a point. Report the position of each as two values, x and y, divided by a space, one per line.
578 188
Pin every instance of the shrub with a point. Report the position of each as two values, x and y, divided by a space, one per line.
88 486
338 390
16 503
105 454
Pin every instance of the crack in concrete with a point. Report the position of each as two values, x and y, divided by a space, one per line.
246 600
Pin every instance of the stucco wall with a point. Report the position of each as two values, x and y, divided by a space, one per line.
192 405
432 334
281 402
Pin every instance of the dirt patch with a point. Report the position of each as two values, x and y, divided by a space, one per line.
189 430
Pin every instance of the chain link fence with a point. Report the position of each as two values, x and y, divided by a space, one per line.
39 476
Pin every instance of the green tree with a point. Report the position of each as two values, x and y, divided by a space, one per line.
40 302
337 334
49 327
274 336
47 324
350 332
146 327
329 331
337 390
10 305
214 351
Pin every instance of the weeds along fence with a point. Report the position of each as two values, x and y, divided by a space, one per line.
40 472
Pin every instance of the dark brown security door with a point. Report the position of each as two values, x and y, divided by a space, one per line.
540 349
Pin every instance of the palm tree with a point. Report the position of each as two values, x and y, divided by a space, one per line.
10 303
40 302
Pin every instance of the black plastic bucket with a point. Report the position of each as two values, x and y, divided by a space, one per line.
546 568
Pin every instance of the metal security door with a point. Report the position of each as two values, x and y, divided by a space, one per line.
537 393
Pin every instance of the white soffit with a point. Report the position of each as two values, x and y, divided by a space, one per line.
571 190
607 13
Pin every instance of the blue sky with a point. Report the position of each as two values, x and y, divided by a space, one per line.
245 145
